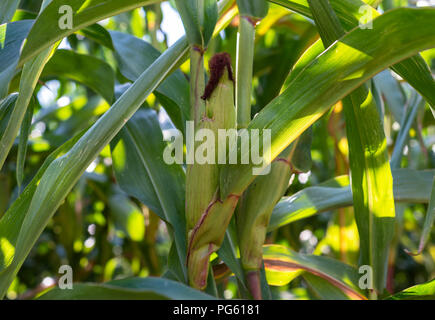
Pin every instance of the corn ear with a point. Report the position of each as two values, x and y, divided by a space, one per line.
207 216
207 237
255 208
253 214
258 201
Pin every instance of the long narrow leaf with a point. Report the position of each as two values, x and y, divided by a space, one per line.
31 72
64 172
424 291
428 222
283 265
372 182
7 9
137 154
12 36
134 56
45 32
22 146
199 20
414 70
407 121
128 289
342 68
10 223
410 186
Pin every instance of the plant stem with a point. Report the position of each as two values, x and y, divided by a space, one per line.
197 83
254 284
245 62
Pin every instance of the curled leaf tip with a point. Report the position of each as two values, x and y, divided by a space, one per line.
217 66
412 254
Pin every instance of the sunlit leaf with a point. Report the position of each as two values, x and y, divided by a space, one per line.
408 185
45 32
12 36
425 291
349 63
283 265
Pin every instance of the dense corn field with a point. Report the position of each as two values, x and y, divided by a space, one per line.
205 149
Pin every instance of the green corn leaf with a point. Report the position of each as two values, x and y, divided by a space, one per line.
301 159
7 9
410 186
372 182
199 20
424 291
415 104
265 288
280 63
228 253
12 220
63 173
134 56
323 289
22 146
142 173
21 14
314 91
326 20
428 223
373 3
51 192
283 265
85 69
128 289
253 8
45 32
30 76
6 106
99 34
175 270
414 70
12 36
310 201
392 92
299 6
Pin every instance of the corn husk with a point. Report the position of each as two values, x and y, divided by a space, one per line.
206 215
256 206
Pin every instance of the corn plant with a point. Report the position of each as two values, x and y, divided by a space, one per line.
277 149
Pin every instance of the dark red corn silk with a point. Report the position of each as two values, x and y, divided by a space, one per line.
217 66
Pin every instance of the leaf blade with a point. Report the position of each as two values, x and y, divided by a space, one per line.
285 262
128 289
43 35
301 104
